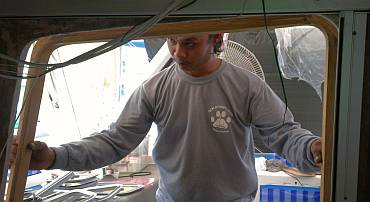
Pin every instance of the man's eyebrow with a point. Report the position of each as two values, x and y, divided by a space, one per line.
190 39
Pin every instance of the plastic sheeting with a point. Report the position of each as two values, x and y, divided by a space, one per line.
301 54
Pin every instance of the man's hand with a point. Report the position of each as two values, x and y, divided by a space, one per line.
42 156
316 151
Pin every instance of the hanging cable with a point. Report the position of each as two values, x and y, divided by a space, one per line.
276 60
68 92
73 108
137 30
27 97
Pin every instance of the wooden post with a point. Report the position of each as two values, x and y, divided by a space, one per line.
15 46
28 122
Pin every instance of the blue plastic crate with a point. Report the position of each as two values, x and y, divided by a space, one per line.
29 172
279 193
269 156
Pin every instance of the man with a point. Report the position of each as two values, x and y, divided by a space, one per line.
204 109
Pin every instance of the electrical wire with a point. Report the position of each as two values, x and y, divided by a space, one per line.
135 31
186 5
293 176
276 59
8 71
109 45
72 105
18 116
69 94
7 65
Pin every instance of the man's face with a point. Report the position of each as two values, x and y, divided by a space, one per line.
192 52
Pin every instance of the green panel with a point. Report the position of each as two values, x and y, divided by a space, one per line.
349 111
111 7
144 7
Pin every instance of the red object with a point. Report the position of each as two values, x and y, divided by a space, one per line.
136 180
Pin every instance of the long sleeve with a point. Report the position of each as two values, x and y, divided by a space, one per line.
111 145
285 137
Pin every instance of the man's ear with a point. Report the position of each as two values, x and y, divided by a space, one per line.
217 41
217 38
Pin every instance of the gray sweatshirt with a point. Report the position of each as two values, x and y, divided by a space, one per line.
204 149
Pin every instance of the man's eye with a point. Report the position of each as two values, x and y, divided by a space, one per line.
171 41
189 44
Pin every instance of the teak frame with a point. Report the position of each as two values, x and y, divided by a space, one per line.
46 45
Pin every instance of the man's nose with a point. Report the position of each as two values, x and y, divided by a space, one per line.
179 51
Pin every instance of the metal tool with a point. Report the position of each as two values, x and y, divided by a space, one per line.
71 195
50 187
54 192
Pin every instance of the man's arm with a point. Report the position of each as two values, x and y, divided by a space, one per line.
281 133
111 145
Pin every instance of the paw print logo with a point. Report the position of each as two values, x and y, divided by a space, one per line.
221 120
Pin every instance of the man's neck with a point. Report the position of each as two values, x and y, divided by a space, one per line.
207 69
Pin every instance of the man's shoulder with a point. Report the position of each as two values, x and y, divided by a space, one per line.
160 77
239 71
164 72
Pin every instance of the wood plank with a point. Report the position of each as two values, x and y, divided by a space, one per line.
199 26
14 46
28 122
7 87
329 106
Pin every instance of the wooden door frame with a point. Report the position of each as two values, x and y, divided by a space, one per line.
46 45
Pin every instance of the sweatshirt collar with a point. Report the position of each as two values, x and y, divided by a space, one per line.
200 80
